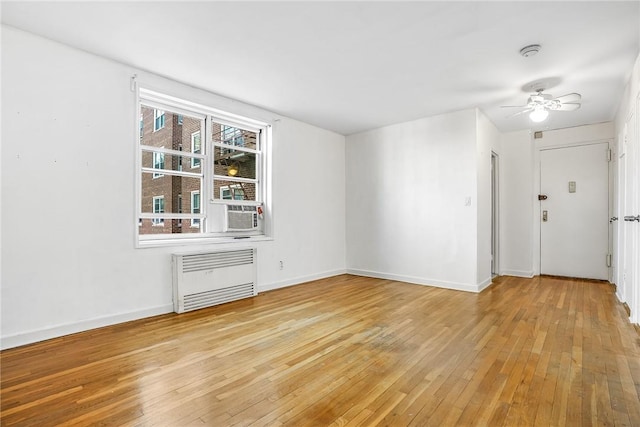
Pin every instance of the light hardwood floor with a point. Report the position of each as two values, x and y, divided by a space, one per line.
346 351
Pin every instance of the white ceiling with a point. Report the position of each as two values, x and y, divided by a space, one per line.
354 66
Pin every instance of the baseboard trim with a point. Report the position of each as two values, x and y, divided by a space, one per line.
517 273
300 280
418 280
484 284
31 337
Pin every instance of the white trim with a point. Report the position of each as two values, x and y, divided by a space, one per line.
171 172
169 215
575 144
300 280
418 280
235 147
484 284
36 335
222 117
191 239
170 151
236 179
517 273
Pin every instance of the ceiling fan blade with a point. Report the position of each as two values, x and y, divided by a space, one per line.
528 110
570 97
514 106
568 106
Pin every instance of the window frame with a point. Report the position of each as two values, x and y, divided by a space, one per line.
211 209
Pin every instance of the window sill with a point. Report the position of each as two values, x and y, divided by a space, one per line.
156 243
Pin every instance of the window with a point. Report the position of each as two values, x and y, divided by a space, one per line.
214 158
158 208
195 208
232 192
158 120
158 163
196 147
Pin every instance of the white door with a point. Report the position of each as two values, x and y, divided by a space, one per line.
622 287
629 217
574 229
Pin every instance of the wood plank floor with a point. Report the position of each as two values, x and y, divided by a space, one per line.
346 351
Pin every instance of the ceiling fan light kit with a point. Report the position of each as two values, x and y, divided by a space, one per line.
539 114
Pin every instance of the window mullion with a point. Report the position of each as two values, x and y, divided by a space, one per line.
170 172
170 151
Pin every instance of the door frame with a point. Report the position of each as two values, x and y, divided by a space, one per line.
495 214
539 146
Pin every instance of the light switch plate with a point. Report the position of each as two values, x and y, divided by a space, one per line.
572 186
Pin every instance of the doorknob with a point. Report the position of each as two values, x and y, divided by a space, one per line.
613 218
632 218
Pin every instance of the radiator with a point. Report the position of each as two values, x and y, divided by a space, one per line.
210 278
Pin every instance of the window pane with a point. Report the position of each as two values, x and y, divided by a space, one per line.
168 226
169 194
173 135
171 188
234 163
229 135
229 190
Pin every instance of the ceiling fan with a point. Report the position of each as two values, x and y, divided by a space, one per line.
539 105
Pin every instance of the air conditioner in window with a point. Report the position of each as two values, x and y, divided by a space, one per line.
241 218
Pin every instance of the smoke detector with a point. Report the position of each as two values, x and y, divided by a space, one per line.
530 50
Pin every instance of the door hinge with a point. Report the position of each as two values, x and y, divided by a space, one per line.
609 257
609 155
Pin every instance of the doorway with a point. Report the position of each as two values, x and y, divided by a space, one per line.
495 229
574 211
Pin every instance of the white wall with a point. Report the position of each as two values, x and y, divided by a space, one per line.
68 256
516 200
406 191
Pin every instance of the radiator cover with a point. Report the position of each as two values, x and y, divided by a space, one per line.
204 279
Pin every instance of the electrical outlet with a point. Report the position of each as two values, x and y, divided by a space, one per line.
281 265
